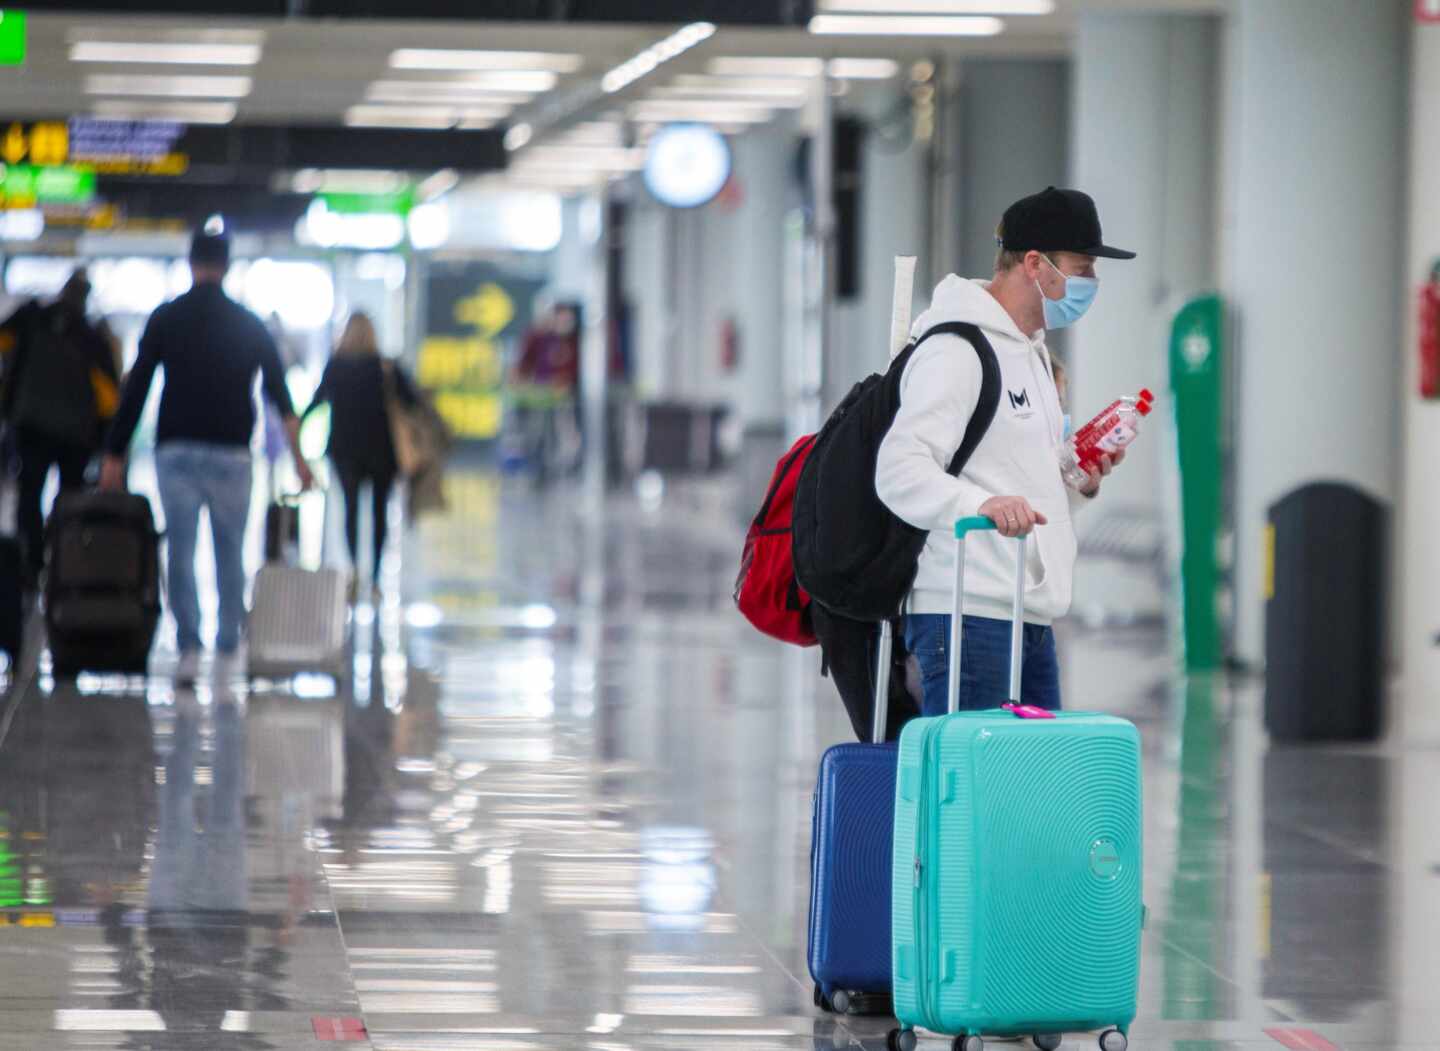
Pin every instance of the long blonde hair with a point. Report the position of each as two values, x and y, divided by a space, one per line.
359 336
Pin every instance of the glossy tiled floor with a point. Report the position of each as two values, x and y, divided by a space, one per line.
563 802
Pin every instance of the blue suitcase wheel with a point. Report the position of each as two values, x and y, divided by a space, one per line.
973 1042
1047 1041
840 1002
1114 1040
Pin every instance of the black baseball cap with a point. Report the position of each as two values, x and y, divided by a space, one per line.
1056 221
210 246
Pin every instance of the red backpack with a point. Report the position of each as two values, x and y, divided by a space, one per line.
766 589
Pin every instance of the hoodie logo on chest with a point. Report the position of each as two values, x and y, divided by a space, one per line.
1019 401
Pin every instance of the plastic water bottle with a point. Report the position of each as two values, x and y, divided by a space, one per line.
1109 432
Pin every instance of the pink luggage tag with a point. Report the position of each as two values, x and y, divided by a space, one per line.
1027 711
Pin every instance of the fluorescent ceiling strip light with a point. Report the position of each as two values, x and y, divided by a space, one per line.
445 58
647 61
667 112
178 87
508 80
905 25
166 54
348 180
182 112
940 7
502 83
863 68
518 135
401 117
772 101
395 91
764 87
755 66
607 158
498 106
592 133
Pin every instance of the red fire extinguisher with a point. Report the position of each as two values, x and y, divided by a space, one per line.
1430 335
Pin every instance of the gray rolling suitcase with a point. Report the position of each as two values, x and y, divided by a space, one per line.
297 623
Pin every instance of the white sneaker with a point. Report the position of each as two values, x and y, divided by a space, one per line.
229 666
188 669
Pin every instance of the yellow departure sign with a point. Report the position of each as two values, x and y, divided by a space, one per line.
103 146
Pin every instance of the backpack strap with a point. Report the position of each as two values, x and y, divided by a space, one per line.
989 401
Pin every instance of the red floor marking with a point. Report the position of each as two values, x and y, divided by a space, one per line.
338 1028
1301 1039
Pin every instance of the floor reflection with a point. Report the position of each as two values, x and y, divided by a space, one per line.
561 800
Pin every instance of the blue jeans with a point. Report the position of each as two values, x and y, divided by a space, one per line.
985 662
192 475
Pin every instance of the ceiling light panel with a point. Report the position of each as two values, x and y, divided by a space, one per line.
401 117
508 81
771 87
182 112
863 68
905 25
600 158
593 133
755 66
940 7
664 111
443 58
166 54
498 104
647 61
176 87
768 101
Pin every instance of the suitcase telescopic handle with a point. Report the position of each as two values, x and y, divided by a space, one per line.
963 528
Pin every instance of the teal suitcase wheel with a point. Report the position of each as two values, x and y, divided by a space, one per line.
901 1040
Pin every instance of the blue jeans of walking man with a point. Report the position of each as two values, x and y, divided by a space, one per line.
192 475
985 662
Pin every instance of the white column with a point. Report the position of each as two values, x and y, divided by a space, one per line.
764 161
1024 103
1417 554
1314 250
1144 95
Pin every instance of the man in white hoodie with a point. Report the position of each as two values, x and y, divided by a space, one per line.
1044 279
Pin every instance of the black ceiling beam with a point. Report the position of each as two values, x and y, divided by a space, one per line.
721 12
223 153
247 208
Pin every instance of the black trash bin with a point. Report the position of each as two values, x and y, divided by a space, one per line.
1325 615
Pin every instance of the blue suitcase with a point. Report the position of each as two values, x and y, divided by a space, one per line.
853 813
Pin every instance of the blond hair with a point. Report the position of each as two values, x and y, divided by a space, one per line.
359 336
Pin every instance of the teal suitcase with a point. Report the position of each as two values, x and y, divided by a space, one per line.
1016 904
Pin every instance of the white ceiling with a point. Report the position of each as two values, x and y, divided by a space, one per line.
312 72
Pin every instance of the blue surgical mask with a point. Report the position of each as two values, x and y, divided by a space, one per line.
1079 294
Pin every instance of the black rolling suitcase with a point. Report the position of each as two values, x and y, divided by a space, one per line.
12 598
12 582
102 582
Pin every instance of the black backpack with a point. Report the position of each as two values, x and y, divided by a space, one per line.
852 553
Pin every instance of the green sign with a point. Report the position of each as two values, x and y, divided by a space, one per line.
1197 377
369 203
12 38
25 185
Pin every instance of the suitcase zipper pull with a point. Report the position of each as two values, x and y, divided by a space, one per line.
917 870
1027 711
